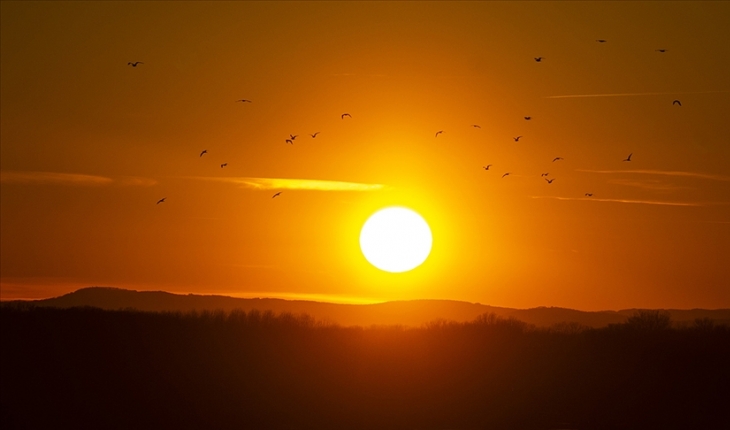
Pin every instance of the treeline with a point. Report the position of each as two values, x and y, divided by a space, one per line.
89 368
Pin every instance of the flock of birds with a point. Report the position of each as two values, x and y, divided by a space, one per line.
290 140
528 118
292 137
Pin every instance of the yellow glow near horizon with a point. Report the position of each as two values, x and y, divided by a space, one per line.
396 239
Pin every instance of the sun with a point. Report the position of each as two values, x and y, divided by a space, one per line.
395 239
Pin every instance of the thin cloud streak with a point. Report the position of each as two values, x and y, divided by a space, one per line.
52 178
570 96
370 75
648 185
325 298
643 202
663 173
15 177
299 184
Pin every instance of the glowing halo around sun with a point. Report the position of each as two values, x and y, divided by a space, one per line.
395 239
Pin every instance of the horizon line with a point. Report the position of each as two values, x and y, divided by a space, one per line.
364 303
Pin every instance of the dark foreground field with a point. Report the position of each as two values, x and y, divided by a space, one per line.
89 368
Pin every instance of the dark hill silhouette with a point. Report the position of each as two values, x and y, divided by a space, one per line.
409 313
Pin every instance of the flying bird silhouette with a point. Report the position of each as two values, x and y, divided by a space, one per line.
677 102
134 64
487 166
517 139
439 132
290 142
505 174
162 200
314 135
224 165
557 158
527 118
629 157
276 194
601 40
344 115
589 194
549 181
475 126
205 151
293 136
244 101
660 50
544 174
538 59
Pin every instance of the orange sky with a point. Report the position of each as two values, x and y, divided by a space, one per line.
89 144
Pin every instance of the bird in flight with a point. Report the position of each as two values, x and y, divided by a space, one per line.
487 166
314 135
475 126
629 157
344 115
276 194
527 118
134 64
290 142
293 136
589 194
544 174
162 200
661 50
549 181
244 101
224 165
517 139
538 59
601 40
439 132
205 151
557 158
505 174
677 102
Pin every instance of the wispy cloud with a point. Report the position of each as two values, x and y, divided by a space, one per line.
642 202
648 185
299 184
327 298
663 173
135 181
570 96
75 179
371 75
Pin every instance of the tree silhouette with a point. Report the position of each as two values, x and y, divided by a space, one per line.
90 368
650 320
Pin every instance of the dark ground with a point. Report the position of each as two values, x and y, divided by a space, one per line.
90 368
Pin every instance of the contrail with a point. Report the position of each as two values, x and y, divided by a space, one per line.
644 202
571 96
29 177
663 173
299 184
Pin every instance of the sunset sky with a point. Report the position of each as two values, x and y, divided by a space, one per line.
89 145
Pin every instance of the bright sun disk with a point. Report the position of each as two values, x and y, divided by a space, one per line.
395 239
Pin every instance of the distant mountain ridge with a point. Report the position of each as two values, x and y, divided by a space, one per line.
407 313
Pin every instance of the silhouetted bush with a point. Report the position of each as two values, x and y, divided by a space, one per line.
569 328
647 320
704 324
88 368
